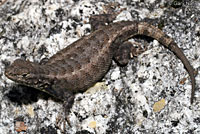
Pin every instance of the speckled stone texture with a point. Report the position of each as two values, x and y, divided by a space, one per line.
150 95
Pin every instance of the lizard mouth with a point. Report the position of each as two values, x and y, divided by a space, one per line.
18 71
8 73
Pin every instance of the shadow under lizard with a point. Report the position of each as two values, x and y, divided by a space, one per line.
84 62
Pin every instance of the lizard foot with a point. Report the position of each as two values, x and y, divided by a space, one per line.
126 51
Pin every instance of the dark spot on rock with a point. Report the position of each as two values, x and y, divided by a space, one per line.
177 3
83 132
53 21
175 123
87 30
196 56
60 13
197 120
145 113
156 56
68 28
129 98
81 11
42 49
149 64
163 94
9 18
142 80
6 62
172 92
76 0
43 11
198 33
108 106
48 130
23 56
55 30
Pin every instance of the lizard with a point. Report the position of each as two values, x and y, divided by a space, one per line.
81 64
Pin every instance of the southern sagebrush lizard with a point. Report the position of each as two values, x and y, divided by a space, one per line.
84 62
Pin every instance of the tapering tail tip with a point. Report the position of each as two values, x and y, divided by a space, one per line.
192 77
178 52
193 91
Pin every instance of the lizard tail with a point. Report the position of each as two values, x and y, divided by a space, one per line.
174 48
149 30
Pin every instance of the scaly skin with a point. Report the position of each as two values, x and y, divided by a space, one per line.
84 62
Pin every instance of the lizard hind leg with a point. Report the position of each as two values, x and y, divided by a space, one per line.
67 105
126 51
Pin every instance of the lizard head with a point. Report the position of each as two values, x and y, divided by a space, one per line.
23 72
32 75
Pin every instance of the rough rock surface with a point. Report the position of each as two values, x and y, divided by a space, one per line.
150 95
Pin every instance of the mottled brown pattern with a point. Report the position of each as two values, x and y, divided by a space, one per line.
84 62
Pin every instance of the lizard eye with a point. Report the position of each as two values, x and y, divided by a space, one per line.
24 75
